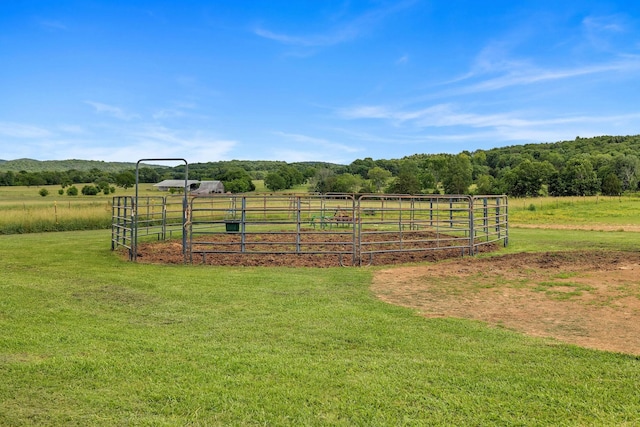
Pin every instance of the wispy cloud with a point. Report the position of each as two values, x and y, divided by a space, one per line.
346 31
611 23
177 110
449 122
19 130
318 142
447 115
71 129
332 38
111 110
402 60
167 142
601 32
508 61
54 25
168 114
527 77
530 75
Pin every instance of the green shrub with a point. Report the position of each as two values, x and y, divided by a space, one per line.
72 191
89 190
43 192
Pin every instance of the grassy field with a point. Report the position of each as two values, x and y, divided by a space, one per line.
23 210
613 211
90 339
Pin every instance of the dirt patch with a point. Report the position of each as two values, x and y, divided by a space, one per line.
278 250
591 299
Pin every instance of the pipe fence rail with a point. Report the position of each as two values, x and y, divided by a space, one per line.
355 229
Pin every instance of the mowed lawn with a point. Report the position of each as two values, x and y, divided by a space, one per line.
89 339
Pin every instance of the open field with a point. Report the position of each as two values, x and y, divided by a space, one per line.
23 210
90 339
594 212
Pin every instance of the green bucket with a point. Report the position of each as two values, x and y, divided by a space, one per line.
232 226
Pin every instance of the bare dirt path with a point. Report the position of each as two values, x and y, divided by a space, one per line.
591 299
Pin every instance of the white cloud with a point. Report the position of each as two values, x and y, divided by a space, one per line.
111 110
448 122
167 114
52 25
532 76
305 41
159 141
402 60
316 142
18 130
611 23
345 32
72 129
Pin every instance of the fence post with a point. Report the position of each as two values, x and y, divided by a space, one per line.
471 226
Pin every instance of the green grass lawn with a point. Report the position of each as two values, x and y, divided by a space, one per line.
89 339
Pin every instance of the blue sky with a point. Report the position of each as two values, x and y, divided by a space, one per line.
315 80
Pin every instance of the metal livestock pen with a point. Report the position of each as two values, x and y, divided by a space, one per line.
354 230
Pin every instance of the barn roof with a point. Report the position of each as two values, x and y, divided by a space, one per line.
178 183
207 187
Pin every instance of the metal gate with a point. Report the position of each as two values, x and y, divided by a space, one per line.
273 224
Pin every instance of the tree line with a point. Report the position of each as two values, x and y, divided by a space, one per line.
607 165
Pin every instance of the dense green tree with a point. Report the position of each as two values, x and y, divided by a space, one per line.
407 181
348 183
527 178
627 168
437 166
457 176
361 166
291 175
378 177
392 165
485 184
8 178
275 182
125 179
236 180
611 185
579 178
322 180
239 186
148 175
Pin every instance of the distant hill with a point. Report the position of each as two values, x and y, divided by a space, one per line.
31 165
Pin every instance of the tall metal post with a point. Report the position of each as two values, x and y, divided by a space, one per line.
184 204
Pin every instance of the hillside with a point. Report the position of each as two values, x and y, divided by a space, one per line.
31 165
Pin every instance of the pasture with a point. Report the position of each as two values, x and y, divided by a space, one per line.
23 210
90 339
